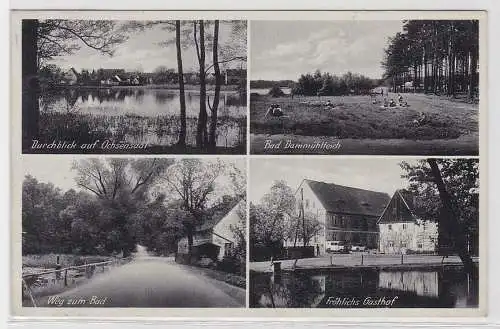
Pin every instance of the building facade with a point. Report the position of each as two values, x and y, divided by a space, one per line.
347 215
215 238
402 231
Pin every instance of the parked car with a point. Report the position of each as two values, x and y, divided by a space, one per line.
334 246
358 248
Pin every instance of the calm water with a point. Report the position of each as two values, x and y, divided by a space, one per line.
446 288
265 91
150 115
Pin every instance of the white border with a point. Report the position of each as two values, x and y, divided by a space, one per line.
494 134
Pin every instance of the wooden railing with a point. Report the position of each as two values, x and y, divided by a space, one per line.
31 280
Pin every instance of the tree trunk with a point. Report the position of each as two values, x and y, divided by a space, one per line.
201 133
450 219
214 108
190 231
30 85
472 74
182 96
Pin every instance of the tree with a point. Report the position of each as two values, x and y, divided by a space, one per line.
201 131
303 227
440 54
122 185
448 194
45 39
268 217
193 182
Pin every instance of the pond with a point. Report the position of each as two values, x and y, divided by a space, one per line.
136 116
449 287
265 91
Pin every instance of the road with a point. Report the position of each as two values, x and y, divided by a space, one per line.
149 281
354 260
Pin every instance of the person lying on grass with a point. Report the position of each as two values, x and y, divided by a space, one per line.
275 111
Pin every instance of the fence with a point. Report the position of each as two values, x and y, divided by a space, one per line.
55 281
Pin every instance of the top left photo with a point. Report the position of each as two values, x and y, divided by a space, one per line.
133 87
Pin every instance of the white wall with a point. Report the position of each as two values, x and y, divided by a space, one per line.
223 230
312 205
408 236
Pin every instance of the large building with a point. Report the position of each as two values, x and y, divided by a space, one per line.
348 215
402 231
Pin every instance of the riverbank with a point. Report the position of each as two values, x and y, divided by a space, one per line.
169 86
360 261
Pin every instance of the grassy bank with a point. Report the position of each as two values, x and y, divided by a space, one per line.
155 135
357 118
229 278
430 125
48 261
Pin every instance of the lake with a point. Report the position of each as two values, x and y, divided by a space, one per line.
265 91
449 287
136 116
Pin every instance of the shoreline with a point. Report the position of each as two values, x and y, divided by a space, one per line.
224 88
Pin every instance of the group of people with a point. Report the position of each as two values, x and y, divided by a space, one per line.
274 110
392 103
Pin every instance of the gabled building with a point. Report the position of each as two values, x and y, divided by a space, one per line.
348 215
402 231
215 238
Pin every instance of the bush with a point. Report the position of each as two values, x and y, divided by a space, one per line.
229 264
276 91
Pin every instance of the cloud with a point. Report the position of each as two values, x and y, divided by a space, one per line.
336 47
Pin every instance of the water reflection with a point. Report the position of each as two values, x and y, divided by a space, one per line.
136 116
449 287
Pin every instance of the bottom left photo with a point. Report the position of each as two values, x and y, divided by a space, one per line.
133 232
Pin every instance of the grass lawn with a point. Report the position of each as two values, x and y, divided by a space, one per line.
430 125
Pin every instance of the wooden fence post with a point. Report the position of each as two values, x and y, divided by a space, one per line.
401 259
362 260
66 277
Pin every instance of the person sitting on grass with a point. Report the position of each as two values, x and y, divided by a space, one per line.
392 103
274 110
329 104
400 99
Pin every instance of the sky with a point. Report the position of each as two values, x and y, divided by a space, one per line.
286 49
56 169
376 174
140 52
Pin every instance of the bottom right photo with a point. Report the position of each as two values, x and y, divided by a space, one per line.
364 232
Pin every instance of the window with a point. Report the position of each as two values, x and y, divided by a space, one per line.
228 247
391 244
419 245
307 203
389 227
404 226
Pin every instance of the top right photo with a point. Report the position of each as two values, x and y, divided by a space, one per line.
387 87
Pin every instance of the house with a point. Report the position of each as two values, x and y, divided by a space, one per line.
401 230
348 215
235 76
214 238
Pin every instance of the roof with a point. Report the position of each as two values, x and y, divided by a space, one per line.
209 224
406 215
349 200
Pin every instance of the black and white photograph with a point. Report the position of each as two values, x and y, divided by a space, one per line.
364 233
133 232
134 87
388 87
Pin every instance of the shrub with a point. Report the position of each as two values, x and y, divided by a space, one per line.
276 91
